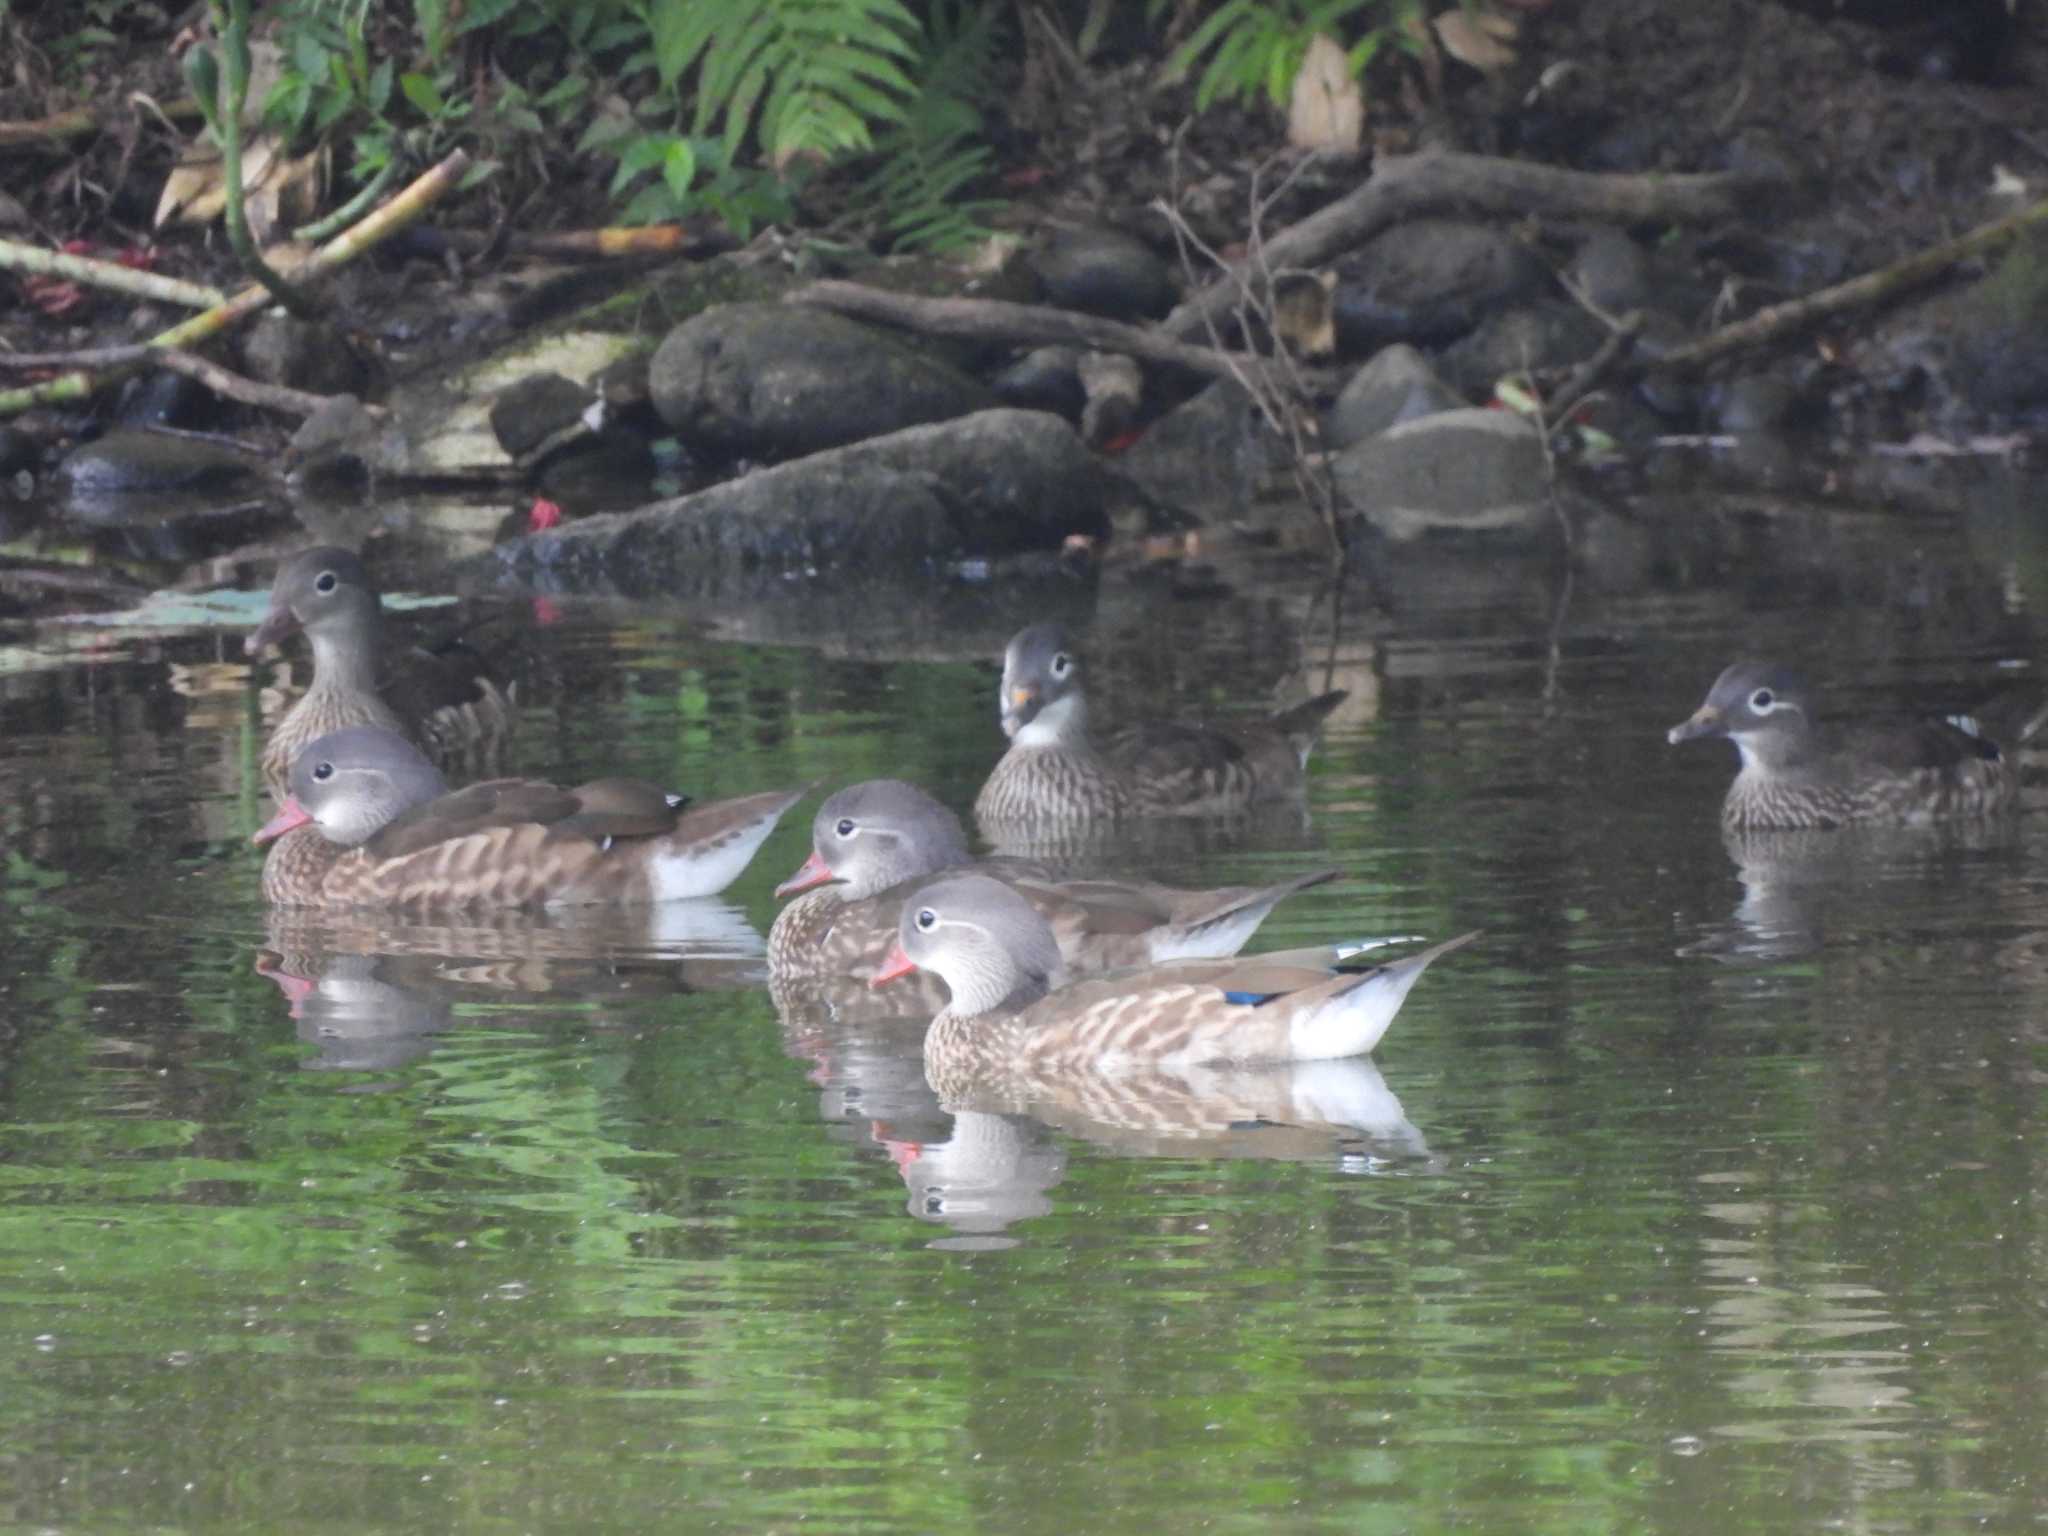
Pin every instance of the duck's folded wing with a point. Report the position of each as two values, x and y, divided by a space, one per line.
479 808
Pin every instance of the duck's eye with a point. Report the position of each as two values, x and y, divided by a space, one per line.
1062 664
927 920
845 827
322 772
1762 700
326 581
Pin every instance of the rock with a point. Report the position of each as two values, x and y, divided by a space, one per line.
1969 358
161 398
1673 396
1462 471
1206 456
19 451
994 483
1428 281
1396 385
600 472
346 437
1046 379
142 463
783 380
1102 272
528 413
299 354
1516 341
1751 403
1115 386
1611 270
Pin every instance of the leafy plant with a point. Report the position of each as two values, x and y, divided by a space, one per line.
1255 47
816 73
926 163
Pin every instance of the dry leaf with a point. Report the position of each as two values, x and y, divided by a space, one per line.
1478 38
1328 109
274 191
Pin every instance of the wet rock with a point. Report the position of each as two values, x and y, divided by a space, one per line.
600 472
139 463
1611 270
530 415
19 451
1204 457
1396 385
347 441
1673 396
1428 281
161 398
1781 263
300 354
1463 471
781 380
1976 356
627 403
1517 341
1046 379
1102 272
1751 403
994 483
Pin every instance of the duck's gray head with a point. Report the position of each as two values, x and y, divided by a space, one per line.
987 943
353 783
877 834
1042 702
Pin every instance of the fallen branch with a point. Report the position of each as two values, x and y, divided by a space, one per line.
381 225
996 320
645 240
235 386
16 257
1781 320
1410 186
143 354
78 122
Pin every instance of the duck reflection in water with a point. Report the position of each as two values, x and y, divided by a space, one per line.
1801 887
978 1166
371 990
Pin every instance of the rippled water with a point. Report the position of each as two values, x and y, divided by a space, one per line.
1705 1191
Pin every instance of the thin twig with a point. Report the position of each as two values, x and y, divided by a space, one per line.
1274 383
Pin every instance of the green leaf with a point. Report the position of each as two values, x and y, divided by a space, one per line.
378 97
481 13
202 73
680 29
679 168
423 94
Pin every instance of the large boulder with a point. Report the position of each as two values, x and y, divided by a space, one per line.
783 380
1464 471
1396 385
996 483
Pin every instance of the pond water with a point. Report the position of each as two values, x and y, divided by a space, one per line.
1705 1191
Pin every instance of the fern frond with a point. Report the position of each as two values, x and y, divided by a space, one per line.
935 154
